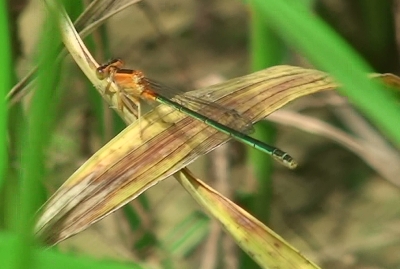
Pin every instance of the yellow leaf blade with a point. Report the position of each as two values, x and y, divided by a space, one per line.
267 248
141 156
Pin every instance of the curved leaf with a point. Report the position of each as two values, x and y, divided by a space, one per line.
145 153
265 247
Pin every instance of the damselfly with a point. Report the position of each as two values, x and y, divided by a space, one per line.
133 86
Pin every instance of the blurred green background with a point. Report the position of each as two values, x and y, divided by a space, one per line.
339 208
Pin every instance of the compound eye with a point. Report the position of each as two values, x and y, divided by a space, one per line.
100 73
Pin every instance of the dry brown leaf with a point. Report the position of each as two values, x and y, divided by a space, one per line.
265 247
130 164
389 80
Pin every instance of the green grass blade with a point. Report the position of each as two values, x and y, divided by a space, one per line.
52 259
5 78
316 40
35 138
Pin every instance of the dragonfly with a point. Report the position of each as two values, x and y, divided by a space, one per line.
133 86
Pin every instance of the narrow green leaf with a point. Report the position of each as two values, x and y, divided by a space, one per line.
323 47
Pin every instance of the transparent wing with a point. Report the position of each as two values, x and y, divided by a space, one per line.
226 116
